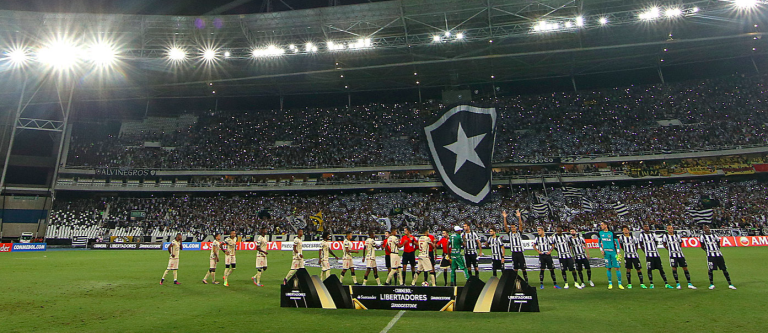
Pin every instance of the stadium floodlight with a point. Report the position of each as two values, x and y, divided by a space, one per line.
579 21
448 33
331 46
17 56
361 43
293 48
673 12
460 36
745 4
544 26
695 9
176 54
603 21
270 51
436 38
227 54
650 14
309 47
568 24
209 55
60 54
102 54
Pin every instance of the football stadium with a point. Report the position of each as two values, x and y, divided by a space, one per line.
383 165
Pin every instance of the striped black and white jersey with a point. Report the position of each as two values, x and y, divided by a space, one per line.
516 242
562 245
497 246
577 242
629 245
649 245
470 242
711 245
673 245
544 244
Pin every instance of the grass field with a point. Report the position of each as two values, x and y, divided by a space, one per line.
94 290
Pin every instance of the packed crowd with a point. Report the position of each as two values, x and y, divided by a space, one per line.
714 113
742 205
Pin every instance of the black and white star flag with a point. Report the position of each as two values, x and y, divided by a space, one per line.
461 148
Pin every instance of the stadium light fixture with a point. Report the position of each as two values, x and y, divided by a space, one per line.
361 43
695 9
673 12
568 24
437 38
460 36
176 54
293 48
17 56
102 54
209 55
650 14
227 54
579 21
603 21
745 4
544 26
310 48
331 46
448 33
60 54
270 51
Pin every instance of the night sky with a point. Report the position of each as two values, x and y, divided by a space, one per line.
160 7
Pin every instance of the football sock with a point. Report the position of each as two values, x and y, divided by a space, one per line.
213 276
610 278
618 276
687 276
541 276
525 275
206 275
674 274
432 278
711 277
574 276
581 276
554 278
166 273
401 276
354 278
650 276
565 277
453 276
727 276
589 274
640 275
663 276
290 274
175 275
629 277
258 277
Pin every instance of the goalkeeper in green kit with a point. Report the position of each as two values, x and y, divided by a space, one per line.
457 259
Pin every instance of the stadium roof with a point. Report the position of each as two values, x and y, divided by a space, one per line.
380 46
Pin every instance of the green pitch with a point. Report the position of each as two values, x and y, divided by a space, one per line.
119 291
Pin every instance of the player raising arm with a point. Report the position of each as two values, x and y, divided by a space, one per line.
711 244
214 259
516 243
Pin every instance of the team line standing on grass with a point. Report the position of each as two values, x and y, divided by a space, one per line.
572 255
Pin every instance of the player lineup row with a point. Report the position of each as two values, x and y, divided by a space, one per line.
461 248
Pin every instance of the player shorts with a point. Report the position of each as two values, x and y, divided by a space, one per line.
677 262
424 264
653 263
370 263
496 264
261 262
545 261
518 260
716 263
394 261
213 264
409 258
325 264
470 259
582 263
346 263
445 262
630 263
611 261
297 263
173 264
566 263
230 261
387 261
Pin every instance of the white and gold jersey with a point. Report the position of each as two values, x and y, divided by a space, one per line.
261 242
325 247
424 246
370 248
347 249
231 246
297 243
215 246
175 249
394 244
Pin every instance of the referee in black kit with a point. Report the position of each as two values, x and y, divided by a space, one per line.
472 247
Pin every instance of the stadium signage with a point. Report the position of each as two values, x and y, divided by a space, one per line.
535 160
150 246
123 246
28 247
6 247
185 246
399 298
125 172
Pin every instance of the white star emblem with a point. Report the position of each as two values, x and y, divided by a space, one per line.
464 148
